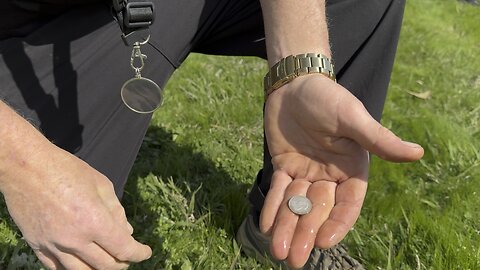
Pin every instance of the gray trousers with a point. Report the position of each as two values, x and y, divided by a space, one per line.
63 73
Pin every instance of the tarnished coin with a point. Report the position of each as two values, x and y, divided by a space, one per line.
300 205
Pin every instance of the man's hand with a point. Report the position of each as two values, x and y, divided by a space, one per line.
69 214
319 136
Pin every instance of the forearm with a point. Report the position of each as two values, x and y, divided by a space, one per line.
295 27
20 146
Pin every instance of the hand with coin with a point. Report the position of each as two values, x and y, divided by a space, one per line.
320 136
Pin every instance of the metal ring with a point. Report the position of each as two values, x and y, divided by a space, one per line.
299 205
145 41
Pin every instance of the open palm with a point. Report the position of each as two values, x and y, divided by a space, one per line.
319 136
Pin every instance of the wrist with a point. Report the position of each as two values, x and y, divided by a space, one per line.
20 168
293 66
281 51
22 149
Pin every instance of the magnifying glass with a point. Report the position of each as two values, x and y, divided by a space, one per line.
141 95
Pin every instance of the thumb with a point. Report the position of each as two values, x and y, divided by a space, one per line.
377 139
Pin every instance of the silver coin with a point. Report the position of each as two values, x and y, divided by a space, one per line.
300 205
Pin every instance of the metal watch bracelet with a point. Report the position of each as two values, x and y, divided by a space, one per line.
294 66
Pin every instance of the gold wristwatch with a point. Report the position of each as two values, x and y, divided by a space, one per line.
293 66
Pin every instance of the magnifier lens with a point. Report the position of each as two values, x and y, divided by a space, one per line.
141 95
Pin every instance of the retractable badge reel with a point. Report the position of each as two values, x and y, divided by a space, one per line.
139 94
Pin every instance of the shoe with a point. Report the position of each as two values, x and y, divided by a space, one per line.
257 245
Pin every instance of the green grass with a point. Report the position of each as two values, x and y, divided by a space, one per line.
187 192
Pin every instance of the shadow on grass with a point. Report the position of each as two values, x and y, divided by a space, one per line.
219 197
5 254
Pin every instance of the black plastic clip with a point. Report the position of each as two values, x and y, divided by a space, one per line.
139 14
134 19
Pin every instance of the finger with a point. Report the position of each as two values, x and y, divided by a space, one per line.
273 200
349 198
69 261
286 220
322 195
106 191
98 258
118 212
108 196
357 124
118 242
129 228
48 260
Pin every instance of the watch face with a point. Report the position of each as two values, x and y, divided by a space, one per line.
141 95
